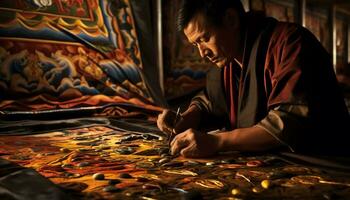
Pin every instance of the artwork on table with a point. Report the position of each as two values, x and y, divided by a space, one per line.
63 54
107 162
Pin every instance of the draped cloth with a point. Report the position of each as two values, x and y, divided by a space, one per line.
246 96
231 91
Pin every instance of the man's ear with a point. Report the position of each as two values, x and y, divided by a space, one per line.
231 19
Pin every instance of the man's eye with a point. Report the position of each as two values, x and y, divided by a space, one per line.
205 38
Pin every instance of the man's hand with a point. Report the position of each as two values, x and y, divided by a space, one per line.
189 119
194 144
166 121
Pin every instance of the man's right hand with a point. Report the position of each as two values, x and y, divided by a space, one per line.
189 119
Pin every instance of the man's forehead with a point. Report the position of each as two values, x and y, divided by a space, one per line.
196 25
199 20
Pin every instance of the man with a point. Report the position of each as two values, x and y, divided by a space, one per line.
276 86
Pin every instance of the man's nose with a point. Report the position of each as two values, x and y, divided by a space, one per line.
203 51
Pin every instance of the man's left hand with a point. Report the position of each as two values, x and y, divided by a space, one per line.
195 144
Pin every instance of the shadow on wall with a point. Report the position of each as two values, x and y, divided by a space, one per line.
343 76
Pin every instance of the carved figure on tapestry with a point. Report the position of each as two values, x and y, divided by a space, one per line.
87 65
11 72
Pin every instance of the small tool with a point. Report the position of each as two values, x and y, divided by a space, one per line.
172 134
245 178
177 115
310 180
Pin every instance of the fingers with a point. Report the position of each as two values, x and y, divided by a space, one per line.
185 147
179 142
160 121
194 144
190 151
169 123
163 121
181 136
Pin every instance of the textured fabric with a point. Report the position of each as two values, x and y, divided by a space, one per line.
73 54
251 104
150 72
231 91
212 101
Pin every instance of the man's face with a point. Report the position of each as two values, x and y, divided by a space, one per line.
219 44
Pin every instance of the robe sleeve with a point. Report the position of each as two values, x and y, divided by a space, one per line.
211 101
284 122
295 65
201 101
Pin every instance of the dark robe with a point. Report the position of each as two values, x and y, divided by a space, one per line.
286 86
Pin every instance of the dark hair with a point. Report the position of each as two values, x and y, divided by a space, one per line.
213 10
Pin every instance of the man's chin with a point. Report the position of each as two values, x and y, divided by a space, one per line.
220 64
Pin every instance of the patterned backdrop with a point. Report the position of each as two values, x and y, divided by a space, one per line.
68 53
185 70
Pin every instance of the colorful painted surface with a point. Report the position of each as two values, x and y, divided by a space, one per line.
105 162
63 54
